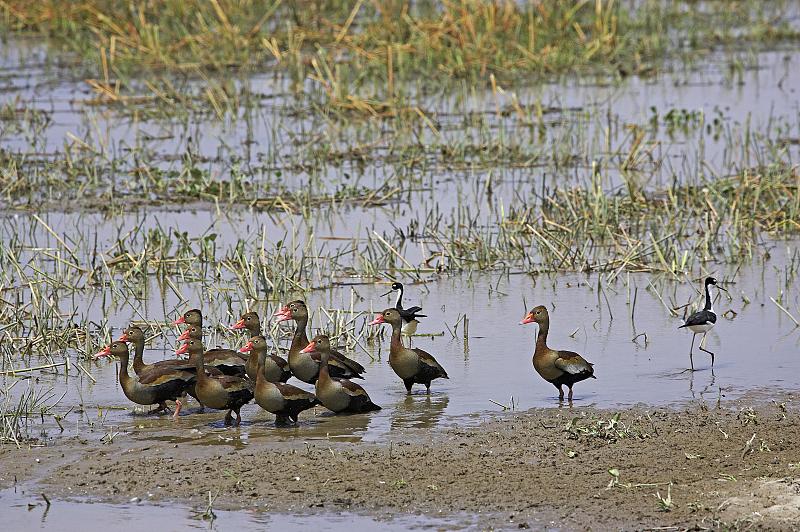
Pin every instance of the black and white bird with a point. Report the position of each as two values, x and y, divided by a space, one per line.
702 321
409 315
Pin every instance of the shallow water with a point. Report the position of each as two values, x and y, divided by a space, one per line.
743 105
738 108
25 510
755 350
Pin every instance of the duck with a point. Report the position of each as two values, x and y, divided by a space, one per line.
250 321
702 321
135 335
305 365
413 366
190 317
556 367
283 400
409 315
276 367
228 361
337 395
224 392
154 386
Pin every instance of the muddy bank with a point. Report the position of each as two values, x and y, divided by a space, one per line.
569 468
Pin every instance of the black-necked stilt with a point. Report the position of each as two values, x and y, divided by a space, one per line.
702 321
409 315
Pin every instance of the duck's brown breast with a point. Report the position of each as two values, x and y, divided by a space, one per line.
544 364
404 362
269 397
304 367
332 396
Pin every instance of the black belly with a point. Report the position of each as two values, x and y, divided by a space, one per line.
571 378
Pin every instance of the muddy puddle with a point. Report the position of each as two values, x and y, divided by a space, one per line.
28 510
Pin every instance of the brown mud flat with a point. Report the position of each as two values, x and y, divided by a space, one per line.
734 466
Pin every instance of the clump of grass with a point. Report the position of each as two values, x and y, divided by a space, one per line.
588 228
665 504
609 430
18 414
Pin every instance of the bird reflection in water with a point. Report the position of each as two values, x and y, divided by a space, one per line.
343 427
419 411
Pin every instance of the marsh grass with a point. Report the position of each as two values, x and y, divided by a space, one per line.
361 55
18 414
360 95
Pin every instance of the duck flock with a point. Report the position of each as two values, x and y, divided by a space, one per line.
227 379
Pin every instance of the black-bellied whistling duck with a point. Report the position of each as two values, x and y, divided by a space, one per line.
283 400
155 386
556 367
305 365
250 321
191 317
337 395
225 392
134 335
276 367
227 361
409 315
414 366
702 321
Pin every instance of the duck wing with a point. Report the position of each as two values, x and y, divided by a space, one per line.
351 388
280 362
574 364
234 384
219 353
293 393
156 375
359 399
430 365
349 363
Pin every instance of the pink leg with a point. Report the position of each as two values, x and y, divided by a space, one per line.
178 405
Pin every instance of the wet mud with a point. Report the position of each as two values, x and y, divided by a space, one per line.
705 465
